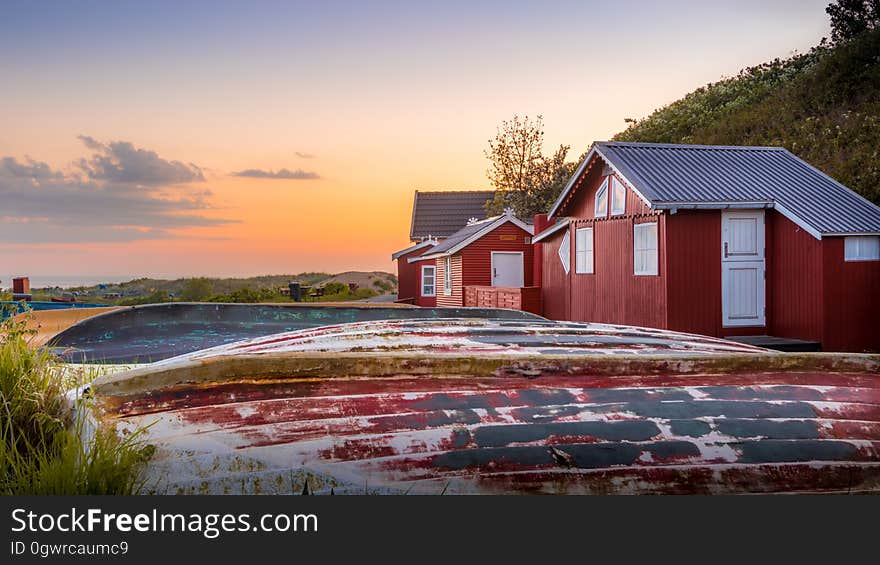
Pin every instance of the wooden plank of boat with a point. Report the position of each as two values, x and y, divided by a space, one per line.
46 324
143 334
478 406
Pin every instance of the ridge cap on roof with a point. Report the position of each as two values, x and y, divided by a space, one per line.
695 147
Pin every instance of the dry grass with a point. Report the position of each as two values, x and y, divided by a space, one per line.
45 446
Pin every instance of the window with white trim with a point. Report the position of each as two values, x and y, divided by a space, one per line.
618 197
429 273
861 248
645 257
565 251
447 276
601 209
583 251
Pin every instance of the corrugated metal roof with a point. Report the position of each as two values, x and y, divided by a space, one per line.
668 174
440 214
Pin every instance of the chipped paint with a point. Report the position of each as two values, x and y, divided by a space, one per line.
480 406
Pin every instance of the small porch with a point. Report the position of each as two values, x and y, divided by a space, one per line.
778 343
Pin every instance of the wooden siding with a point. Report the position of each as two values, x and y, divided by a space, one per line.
554 281
794 280
456 298
851 293
693 264
427 301
408 276
612 293
477 257
581 201
527 298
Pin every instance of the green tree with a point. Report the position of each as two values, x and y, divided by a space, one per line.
197 289
851 18
523 177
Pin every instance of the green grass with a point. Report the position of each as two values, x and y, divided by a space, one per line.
44 447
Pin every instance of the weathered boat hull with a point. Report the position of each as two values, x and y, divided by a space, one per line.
461 406
143 334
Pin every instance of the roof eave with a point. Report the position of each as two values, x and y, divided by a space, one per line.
550 231
410 249
483 232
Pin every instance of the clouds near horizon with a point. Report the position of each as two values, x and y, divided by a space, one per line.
287 174
118 193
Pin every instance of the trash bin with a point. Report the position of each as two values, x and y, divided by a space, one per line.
294 291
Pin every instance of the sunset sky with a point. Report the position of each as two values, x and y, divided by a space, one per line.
241 138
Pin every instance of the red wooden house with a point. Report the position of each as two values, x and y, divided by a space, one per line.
416 278
435 216
721 241
485 257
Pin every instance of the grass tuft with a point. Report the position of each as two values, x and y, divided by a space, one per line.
45 447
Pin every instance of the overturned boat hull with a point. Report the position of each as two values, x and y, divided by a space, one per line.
476 406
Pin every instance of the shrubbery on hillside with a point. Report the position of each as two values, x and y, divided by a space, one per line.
823 106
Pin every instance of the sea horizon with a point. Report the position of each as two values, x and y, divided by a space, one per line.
66 281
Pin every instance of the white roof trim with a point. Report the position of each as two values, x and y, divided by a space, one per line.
692 205
550 231
594 150
415 259
799 222
416 247
499 221
854 234
757 204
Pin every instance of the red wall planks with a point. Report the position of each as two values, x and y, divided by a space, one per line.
428 301
794 280
472 266
693 264
408 276
851 293
554 283
612 293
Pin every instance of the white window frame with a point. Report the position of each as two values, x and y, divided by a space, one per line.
564 251
433 280
615 200
654 268
583 253
447 276
603 188
861 248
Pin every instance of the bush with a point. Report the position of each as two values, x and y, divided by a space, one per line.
157 297
197 290
248 296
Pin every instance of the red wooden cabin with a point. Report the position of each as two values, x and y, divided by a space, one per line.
496 252
435 216
721 241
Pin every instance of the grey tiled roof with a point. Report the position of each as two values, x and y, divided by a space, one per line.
667 174
440 214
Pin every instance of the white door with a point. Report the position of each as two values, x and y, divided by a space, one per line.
742 268
507 268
